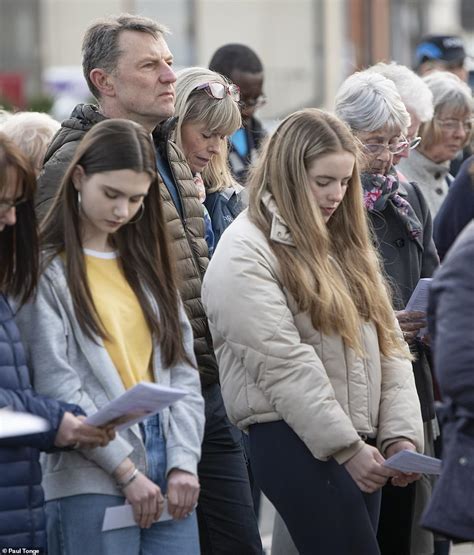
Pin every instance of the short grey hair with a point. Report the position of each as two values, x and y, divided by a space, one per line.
449 92
368 101
415 93
32 132
100 46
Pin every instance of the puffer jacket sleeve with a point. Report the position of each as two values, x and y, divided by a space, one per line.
183 444
49 409
51 176
400 411
248 311
43 329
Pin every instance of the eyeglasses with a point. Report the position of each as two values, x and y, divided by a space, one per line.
413 143
7 205
394 148
254 102
219 90
453 124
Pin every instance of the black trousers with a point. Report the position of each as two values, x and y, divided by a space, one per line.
396 519
324 510
226 517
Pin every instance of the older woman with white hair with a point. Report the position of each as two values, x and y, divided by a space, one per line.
443 137
32 132
417 97
402 228
207 106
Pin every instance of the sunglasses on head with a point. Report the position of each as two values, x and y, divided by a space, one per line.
219 90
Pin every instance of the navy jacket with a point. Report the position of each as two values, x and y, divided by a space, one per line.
239 165
223 207
457 209
451 324
22 520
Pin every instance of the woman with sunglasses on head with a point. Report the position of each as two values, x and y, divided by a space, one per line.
312 363
442 138
107 316
207 107
22 519
402 230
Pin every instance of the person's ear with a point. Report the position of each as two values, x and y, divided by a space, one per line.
102 81
78 176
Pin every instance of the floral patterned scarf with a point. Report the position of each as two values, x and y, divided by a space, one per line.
382 189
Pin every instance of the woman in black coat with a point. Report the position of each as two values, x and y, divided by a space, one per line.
22 520
402 230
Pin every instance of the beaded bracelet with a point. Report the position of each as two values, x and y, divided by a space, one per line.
129 480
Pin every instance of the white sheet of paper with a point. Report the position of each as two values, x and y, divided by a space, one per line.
122 517
419 297
14 423
136 404
409 461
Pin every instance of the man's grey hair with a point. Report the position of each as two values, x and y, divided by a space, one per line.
100 46
368 101
415 93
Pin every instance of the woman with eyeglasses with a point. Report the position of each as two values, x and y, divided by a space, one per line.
312 363
442 138
22 518
402 231
107 315
207 107
418 100
416 96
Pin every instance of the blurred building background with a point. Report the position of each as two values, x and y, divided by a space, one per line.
308 46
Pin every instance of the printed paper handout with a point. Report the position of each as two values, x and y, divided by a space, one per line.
409 461
141 401
122 517
14 423
419 297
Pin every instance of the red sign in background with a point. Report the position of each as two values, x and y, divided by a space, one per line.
12 89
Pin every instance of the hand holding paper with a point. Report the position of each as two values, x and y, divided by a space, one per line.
409 461
136 404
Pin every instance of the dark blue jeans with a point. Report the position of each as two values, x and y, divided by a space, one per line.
323 509
226 517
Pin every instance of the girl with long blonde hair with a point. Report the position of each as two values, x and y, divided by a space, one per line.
312 361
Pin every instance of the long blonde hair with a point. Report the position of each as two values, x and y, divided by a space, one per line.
220 116
332 271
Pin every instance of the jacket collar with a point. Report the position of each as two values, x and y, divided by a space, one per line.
279 232
417 159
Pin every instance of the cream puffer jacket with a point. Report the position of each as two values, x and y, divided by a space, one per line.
274 365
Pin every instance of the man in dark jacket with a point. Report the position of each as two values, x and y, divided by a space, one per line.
241 65
451 324
127 65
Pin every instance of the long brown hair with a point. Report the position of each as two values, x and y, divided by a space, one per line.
18 243
332 271
143 246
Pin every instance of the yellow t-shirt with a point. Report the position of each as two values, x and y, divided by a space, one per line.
130 345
